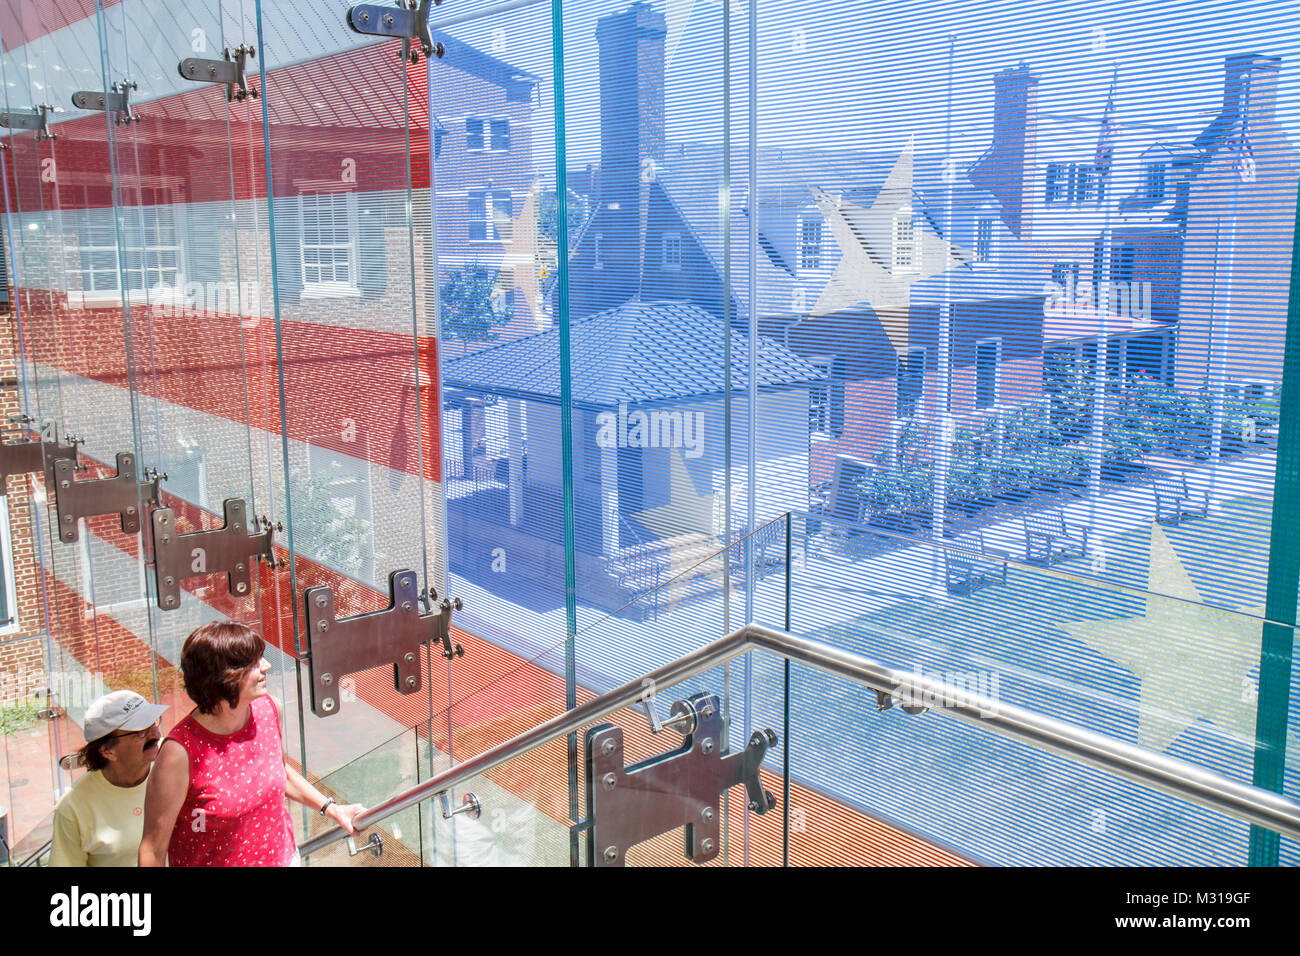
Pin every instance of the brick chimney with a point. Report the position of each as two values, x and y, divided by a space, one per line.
1250 86
1007 168
631 98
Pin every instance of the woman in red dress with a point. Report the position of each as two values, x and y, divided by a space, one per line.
216 794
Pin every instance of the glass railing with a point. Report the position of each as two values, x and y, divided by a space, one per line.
531 806
862 773
33 848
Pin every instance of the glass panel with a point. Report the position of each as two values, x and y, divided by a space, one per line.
525 811
376 775
354 425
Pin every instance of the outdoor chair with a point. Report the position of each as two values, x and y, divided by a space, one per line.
1176 501
1047 538
966 573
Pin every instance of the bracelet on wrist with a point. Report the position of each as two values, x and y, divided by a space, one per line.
329 802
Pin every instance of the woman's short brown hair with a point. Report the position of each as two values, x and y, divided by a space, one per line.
214 660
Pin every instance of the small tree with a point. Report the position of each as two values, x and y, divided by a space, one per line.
469 310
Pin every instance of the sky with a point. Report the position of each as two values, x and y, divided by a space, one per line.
873 75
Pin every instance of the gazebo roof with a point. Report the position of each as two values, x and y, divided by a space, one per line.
640 352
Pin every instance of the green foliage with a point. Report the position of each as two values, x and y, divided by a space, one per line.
337 539
469 310
17 715
549 218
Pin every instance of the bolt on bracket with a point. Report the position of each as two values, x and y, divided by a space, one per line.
342 646
629 805
37 119
122 495
442 621
116 100
230 549
408 21
229 72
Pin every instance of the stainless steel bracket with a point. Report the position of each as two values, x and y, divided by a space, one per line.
25 457
230 549
37 119
229 72
116 100
684 787
374 846
408 21
468 804
121 495
342 646
442 621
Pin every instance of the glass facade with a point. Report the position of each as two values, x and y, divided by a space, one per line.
951 335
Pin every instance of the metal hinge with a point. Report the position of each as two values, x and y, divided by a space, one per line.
229 71
408 21
229 550
342 646
121 495
117 100
37 119
686 787
25 457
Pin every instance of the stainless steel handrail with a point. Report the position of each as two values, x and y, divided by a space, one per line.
1179 778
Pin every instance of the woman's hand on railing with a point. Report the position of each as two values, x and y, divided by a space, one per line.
344 814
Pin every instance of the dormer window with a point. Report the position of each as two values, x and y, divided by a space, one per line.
1155 181
1075 183
904 240
984 240
672 245
810 243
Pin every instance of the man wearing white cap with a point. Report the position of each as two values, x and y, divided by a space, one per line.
99 821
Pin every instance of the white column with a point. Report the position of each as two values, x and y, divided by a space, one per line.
609 501
515 439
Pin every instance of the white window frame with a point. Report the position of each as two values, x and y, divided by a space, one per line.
156 294
906 249
671 241
95 608
489 196
1155 181
487 122
331 288
11 587
822 397
802 247
996 342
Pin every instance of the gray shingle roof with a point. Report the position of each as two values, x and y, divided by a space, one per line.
637 353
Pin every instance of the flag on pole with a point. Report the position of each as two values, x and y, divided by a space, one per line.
1106 139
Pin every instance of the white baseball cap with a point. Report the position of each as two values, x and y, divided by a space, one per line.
120 710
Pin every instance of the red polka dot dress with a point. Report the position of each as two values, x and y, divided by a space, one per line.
234 813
